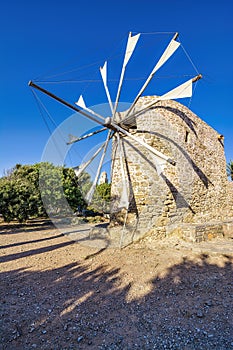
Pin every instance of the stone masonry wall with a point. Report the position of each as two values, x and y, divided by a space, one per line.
194 191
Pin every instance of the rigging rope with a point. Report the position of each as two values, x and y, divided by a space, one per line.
191 98
70 70
42 108
154 33
111 80
189 58
111 56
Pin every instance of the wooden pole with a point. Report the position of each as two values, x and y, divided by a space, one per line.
67 104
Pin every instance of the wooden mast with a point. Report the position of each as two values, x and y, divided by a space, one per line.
59 99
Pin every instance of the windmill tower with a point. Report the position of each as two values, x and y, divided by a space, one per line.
192 198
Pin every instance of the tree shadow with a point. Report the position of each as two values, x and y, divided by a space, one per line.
32 241
87 306
36 251
34 225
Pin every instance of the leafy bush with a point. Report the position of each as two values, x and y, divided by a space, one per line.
26 188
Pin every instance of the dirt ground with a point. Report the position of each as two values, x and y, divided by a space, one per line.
59 294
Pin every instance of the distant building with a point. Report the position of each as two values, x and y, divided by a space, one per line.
103 178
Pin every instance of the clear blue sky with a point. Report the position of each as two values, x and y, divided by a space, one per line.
36 36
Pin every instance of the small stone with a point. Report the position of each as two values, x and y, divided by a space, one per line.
80 339
200 314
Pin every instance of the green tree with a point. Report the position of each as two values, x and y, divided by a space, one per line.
102 197
72 189
230 169
84 182
37 190
104 191
19 194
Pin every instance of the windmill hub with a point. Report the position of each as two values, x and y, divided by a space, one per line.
107 121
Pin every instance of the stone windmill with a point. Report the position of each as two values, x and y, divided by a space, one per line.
168 171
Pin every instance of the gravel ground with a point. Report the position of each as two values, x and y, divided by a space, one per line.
58 294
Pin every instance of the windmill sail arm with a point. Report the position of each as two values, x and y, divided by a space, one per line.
132 42
103 72
142 143
171 48
65 103
90 194
124 200
80 169
73 139
181 91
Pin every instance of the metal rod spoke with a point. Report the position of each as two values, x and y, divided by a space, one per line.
124 201
74 139
142 143
80 169
90 194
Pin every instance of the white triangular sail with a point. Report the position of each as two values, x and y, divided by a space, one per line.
103 72
182 91
171 48
132 42
82 104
